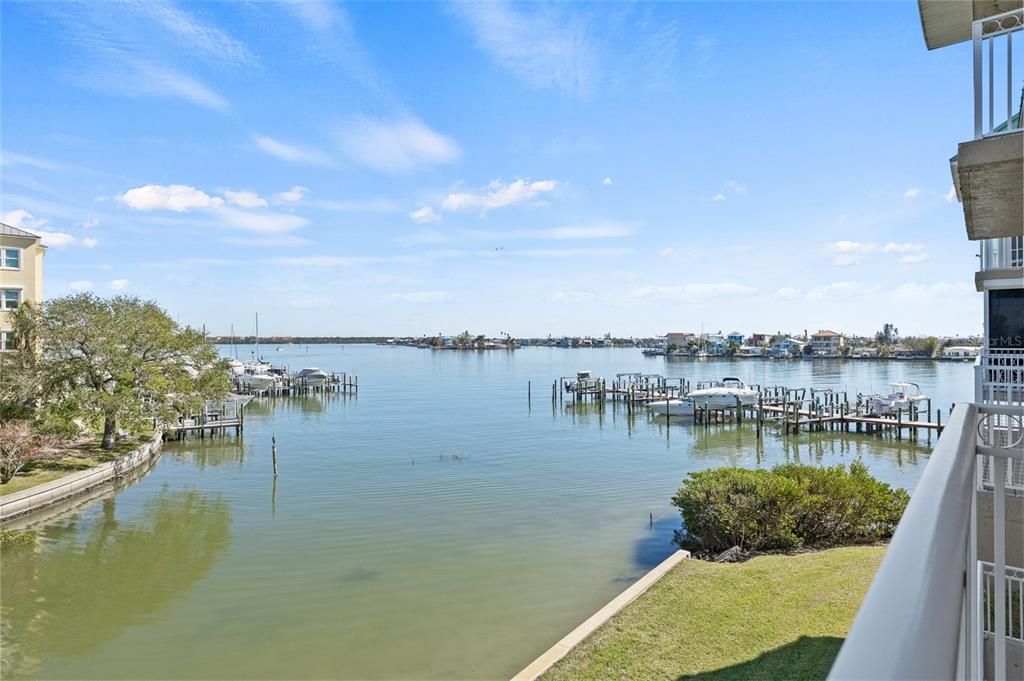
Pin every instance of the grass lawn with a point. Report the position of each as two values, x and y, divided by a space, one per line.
79 456
773 617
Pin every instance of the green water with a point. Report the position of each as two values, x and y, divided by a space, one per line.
438 526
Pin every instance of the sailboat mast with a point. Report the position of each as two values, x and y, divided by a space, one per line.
257 336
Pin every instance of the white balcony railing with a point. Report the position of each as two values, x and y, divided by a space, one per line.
996 94
999 376
1001 254
945 603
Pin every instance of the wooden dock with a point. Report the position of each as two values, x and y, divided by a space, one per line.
287 386
794 409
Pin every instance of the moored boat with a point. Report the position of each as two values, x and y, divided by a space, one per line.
724 394
680 407
311 376
904 393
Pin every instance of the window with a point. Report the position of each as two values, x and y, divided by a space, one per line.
10 298
6 340
10 258
1017 251
1006 319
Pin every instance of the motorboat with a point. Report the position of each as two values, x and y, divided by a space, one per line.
311 376
680 407
904 393
253 379
724 394
584 381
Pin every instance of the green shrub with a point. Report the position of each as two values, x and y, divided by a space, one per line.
787 507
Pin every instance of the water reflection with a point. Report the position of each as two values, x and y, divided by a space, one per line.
81 584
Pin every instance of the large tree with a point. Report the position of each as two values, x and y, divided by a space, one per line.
119 361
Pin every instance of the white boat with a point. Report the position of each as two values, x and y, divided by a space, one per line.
681 407
724 394
584 381
256 380
903 394
312 376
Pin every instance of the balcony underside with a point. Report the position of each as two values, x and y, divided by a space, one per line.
991 181
1007 277
947 22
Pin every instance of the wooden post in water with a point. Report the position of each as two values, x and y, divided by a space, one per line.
899 424
529 392
938 422
273 452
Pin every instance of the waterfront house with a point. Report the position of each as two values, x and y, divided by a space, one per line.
961 352
948 599
679 339
21 275
750 351
736 337
864 352
786 347
758 339
827 343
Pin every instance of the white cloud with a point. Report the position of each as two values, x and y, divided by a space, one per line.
273 240
293 195
693 292
606 181
430 236
361 206
842 290
260 221
497 195
571 296
23 219
395 146
737 187
422 297
10 158
424 214
912 193
292 153
83 285
600 230
562 252
537 44
951 194
787 293
718 197
245 199
89 242
132 76
179 198
183 199
939 291
845 253
119 284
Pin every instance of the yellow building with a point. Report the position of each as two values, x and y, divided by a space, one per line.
21 275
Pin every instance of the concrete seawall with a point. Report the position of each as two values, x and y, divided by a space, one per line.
556 652
41 496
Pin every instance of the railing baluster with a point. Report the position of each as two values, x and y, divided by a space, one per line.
999 567
976 34
1009 82
991 84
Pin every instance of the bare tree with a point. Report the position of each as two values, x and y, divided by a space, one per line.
20 444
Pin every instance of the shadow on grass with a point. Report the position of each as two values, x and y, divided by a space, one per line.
809 658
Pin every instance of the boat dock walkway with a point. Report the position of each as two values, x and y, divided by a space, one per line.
794 409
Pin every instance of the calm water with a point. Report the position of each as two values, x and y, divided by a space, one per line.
377 554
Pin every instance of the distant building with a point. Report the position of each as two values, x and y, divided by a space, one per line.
786 346
961 352
736 337
679 339
758 339
827 342
864 352
751 351
21 275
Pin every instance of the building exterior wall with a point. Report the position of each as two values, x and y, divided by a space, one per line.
27 279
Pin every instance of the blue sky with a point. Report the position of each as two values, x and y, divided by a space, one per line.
387 168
